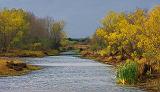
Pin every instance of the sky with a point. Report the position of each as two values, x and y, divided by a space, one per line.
81 17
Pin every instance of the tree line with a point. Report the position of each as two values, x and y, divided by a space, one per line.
132 37
20 29
135 34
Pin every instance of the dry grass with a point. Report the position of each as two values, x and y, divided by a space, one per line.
6 71
151 85
23 53
51 52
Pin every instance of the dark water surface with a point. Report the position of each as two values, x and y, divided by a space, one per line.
65 74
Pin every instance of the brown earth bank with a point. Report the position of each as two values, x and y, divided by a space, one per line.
148 83
15 67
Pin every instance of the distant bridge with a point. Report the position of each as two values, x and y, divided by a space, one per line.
81 46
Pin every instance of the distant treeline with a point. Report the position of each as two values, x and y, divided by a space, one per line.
80 40
23 30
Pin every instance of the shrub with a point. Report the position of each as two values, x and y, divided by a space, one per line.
128 73
102 52
105 51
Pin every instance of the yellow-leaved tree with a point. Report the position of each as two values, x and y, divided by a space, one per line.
13 24
131 35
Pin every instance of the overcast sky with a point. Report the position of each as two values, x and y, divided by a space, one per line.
81 16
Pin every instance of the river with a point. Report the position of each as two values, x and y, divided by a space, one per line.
65 73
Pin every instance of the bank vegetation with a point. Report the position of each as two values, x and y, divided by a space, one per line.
131 42
24 34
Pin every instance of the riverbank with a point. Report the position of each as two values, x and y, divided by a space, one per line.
149 82
65 73
29 53
10 66
106 60
15 67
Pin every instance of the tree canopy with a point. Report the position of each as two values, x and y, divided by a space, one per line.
23 30
134 34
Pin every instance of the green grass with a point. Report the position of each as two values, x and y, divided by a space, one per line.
127 73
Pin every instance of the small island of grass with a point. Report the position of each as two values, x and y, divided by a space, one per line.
15 67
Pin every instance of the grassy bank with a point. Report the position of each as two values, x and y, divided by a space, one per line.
132 72
51 52
106 60
151 85
9 66
15 67
29 53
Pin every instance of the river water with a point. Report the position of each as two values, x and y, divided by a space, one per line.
65 73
